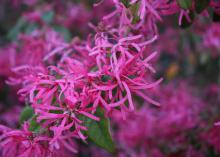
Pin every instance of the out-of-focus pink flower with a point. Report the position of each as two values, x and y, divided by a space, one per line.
7 60
11 116
149 128
24 143
212 137
211 38
216 6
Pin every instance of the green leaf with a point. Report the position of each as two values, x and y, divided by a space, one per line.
185 4
185 22
126 3
201 5
30 28
14 31
134 9
48 16
34 126
98 131
106 78
65 32
26 114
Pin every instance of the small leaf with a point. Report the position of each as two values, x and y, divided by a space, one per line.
30 28
26 114
98 131
14 31
134 10
185 22
185 4
201 5
65 32
48 16
106 78
126 3
34 126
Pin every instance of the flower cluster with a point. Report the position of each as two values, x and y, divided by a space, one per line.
64 81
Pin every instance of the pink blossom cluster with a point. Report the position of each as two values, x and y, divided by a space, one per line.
62 81
170 132
179 108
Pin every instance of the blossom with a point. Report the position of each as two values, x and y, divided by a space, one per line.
210 38
25 143
22 143
148 129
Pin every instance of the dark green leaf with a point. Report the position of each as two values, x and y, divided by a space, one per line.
34 126
14 31
185 4
98 131
48 16
126 3
134 9
26 114
106 78
65 32
201 5
185 22
31 27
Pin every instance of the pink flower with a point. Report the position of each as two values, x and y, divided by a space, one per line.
22 143
150 129
210 38
65 81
